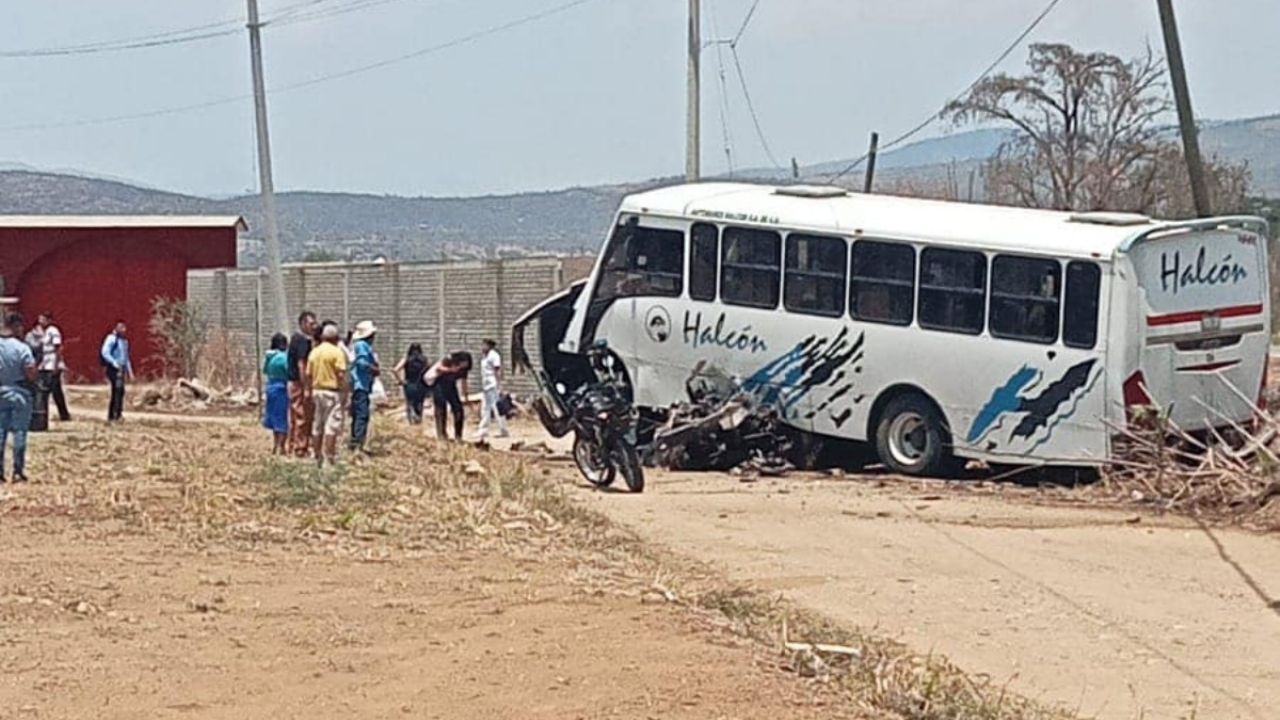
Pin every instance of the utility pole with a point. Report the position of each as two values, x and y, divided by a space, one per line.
871 162
281 300
1182 99
693 146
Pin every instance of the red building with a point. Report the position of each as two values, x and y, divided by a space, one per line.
91 271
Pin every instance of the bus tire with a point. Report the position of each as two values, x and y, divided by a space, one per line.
911 437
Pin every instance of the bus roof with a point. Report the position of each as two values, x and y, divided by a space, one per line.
832 210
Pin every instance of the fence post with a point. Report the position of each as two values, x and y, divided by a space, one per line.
501 297
440 316
394 270
346 298
257 342
220 296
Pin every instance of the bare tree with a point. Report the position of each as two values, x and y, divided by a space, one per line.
1087 136
180 333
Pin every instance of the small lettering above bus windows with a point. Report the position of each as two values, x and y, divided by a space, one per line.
736 216
1175 275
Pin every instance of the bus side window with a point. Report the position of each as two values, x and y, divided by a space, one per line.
1080 321
642 261
816 275
750 267
1025 297
704 261
953 290
882 287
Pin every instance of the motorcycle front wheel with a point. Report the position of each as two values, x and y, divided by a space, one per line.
593 462
627 460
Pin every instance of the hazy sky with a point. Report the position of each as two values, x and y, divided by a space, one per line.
593 94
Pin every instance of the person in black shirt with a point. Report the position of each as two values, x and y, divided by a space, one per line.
300 408
410 372
444 377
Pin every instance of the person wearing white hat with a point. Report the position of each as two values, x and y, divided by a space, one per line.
364 371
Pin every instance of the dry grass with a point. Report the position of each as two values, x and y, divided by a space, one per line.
216 484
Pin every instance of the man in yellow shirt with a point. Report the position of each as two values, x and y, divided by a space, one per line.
327 368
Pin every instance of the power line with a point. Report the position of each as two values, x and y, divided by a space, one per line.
751 108
430 50
746 22
746 91
929 120
723 105
300 12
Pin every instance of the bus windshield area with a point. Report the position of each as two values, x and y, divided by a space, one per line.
642 261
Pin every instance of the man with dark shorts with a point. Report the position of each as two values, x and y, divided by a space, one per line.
301 410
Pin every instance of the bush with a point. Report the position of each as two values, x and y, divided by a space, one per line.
179 333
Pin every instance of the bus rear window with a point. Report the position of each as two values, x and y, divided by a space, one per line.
750 267
953 285
642 261
1080 320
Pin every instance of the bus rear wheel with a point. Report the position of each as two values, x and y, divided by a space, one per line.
911 438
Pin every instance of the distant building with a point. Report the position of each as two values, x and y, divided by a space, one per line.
90 271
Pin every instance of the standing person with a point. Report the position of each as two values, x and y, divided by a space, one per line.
364 371
491 386
275 367
327 368
348 348
115 358
411 372
17 371
444 377
52 365
300 406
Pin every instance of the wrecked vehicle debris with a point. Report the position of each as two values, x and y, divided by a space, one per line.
721 428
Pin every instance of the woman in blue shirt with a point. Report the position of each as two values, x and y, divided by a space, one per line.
276 369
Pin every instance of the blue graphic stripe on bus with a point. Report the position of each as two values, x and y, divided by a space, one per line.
1005 399
1038 411
813 363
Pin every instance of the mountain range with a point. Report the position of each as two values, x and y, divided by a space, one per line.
348 225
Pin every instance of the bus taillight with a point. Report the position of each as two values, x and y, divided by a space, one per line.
1137 402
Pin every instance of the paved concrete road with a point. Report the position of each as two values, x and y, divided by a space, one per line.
1079 607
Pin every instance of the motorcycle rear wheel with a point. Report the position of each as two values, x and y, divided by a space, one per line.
593 462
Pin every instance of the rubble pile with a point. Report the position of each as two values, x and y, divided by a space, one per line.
193 395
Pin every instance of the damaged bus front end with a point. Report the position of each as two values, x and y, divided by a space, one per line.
556 373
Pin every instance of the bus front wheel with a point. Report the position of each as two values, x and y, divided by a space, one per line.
911 438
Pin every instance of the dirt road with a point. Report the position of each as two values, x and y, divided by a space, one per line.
1107 613
156 570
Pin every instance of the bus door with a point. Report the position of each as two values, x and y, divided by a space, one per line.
1205 333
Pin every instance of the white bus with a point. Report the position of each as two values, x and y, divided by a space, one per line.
931 330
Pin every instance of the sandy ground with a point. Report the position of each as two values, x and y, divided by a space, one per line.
1109 613
116 602
1117 615
1112 614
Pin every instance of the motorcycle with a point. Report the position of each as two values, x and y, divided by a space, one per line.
604 423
